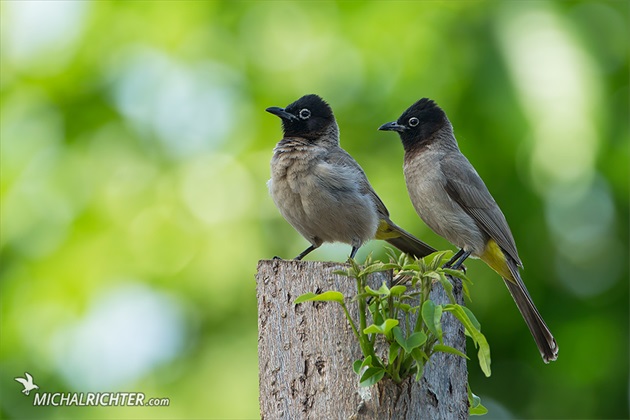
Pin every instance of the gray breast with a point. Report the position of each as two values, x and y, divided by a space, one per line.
425 184
320 200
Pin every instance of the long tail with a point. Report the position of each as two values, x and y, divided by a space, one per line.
544 339
403 240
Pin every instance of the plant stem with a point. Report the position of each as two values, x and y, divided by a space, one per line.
366 346
391 309
354 328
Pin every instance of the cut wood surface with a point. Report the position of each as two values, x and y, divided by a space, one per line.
306 352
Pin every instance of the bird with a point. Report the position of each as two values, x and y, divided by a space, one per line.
451 198
28 383
321 190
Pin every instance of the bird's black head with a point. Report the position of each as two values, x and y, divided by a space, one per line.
308 117
418 124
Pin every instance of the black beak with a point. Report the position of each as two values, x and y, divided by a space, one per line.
280 112
392 126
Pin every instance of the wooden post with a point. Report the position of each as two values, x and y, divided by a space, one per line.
306 351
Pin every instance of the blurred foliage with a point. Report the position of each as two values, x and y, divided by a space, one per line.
134 155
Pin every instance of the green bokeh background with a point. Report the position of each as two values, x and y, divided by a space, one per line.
135 152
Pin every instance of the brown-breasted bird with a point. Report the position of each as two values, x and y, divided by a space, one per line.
321 190
452 199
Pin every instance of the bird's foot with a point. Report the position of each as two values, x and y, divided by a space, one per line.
461 268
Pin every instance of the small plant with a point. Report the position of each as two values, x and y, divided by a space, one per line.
404 320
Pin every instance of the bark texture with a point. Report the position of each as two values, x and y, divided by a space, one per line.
306 351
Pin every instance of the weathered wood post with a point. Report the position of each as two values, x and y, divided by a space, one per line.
306 351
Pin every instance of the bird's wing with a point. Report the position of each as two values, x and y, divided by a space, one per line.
22 381
467 189
380 206
29 377
340 157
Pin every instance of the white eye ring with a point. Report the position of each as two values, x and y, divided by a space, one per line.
304 113
413 121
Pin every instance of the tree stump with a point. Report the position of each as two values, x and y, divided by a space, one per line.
306 352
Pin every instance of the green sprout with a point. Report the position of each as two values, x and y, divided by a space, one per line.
405 319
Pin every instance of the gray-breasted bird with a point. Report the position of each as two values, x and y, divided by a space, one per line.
321 190
451 198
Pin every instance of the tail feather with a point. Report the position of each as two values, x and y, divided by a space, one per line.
544 339
408 243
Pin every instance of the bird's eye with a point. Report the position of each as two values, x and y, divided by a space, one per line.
413 121
305 113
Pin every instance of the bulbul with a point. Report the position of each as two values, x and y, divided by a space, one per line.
321 190
451 199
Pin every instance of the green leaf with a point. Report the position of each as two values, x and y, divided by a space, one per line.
457 273
422 265
411 267
341 272
371 376
368 370
422 354
397 290
305 297
373 329
419 356
402 306
408 344
384 328
447 285
371 291
479 410
437 258
402 259
354 269
476 408
432 316
416 340
399 337
373 268
459 312
415 279
465 280
448 349
472 318
360 296
378 317
483 352
393 352
405 273
329 296
419 371
374 302
384 290
388 325
432 275
466 290
366 362
484 355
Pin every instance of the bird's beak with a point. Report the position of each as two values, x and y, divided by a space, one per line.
392 126
280 112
